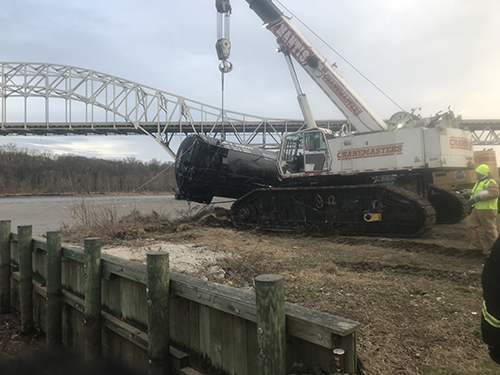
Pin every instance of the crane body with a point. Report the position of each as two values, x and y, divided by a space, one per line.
375 180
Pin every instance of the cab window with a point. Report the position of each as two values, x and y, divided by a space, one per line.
315 141
293 147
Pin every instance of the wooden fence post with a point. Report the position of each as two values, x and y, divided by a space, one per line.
158 289
271 319
54 291
4 266
92 307
24 235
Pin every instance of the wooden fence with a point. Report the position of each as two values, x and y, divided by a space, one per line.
138 313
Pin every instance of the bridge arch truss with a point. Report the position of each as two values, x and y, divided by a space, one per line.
45 99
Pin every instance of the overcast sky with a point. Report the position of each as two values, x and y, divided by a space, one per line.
422 53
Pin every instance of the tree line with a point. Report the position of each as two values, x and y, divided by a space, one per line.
24 171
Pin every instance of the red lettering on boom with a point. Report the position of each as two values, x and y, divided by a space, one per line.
342 95
294 44
287 36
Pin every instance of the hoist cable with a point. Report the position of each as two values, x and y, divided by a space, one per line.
343 58
163 171
223 133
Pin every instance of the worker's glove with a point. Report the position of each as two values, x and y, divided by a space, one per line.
473 200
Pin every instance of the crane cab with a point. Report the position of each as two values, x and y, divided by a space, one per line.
305 152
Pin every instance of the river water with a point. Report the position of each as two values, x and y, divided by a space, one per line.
51 213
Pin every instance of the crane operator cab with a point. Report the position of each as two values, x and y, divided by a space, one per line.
305 152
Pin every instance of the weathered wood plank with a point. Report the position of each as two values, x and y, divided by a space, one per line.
350 357
228 342
125 330
124 268
331 323
74 253
253 349
218 296
111 294
39 309
39 243
210 318
74 301
204 314
75 329
26 277
215 338
92 304
324 358
5 266
194 326
158 312
39 264
54 291
271 333
310 325
240 350
72 277
133 302
180 321
14 252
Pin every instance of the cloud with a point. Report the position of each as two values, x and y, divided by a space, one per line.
419 52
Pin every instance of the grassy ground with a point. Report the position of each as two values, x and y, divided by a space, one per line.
419 301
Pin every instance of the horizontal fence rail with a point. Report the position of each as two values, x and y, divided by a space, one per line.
207 326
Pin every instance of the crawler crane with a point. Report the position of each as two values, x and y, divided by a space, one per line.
376 180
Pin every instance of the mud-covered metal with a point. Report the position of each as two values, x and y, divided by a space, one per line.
206 167
338 209
451 207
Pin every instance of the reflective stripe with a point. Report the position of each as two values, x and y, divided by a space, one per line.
490 318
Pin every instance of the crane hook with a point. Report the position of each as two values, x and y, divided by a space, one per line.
225 66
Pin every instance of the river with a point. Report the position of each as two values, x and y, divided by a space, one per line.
51 213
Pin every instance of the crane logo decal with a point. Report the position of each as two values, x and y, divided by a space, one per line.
292 42
460 143
342 94
370 152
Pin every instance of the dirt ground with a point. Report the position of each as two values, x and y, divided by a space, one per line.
419 300
12 342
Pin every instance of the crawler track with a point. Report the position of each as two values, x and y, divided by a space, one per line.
381 210
450 207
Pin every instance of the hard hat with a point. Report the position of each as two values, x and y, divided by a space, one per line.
483 169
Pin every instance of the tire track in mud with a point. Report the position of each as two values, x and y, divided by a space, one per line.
464 276
415 246
458 277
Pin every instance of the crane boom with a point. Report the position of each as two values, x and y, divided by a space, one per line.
376 182
292 41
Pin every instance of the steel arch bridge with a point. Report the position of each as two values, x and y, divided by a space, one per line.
45 99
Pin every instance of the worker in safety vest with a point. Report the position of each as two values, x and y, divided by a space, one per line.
490 321
484 200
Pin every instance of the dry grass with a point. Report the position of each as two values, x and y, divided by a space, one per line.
419 301
103 221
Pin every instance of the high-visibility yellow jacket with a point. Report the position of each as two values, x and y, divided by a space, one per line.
488 197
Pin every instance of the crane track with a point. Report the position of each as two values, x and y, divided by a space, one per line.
391 210
450 207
